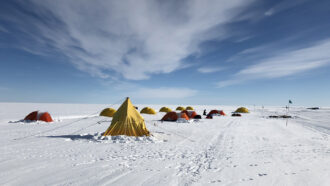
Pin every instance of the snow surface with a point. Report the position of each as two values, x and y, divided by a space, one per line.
247 150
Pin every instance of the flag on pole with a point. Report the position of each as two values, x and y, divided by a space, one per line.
290 102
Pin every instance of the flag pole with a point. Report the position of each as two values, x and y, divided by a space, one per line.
287 113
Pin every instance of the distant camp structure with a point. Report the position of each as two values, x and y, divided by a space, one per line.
242 110
236 115
127 121
217 112
38 116
189 108
180 108
190 113
165 109
313 108
108 112
198 117
174 116
148 110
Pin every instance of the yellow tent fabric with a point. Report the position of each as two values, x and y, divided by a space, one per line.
127 121
165 109
148 110
242 110
189 108
180 108
108 112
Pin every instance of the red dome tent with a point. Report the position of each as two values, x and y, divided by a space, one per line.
215 112
41 116
173 116
190 113
220 112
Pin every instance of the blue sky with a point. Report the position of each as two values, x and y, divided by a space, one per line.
238 52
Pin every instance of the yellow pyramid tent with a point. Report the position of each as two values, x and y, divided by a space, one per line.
165 109
127 121
108 112
189 108
242 110
148 110
180 108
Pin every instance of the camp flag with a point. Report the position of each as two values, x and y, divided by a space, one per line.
290 102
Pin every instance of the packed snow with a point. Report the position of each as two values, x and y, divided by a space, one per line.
225 150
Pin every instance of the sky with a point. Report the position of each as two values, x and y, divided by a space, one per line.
187 52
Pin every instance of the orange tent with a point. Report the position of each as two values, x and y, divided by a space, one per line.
173 116
190 113
36 115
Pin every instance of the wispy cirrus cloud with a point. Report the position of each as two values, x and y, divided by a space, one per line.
282 64
124 38
209 69
164 93
284 5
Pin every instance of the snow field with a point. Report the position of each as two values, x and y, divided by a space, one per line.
251 150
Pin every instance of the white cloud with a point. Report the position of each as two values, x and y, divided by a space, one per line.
284 64
229 82
209 69
284 5
133 39
244 38
164 92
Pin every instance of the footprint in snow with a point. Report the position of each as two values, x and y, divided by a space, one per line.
215 181
293 173
248 179
262 174
253 165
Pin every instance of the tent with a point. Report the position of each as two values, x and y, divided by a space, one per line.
198 117
108 112
37 115
190 113
148 110
165 109
173 116
180 108
189 108
242 110
236 115
215 112
209 116
127 121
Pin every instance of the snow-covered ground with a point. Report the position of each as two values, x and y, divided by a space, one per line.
251 150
